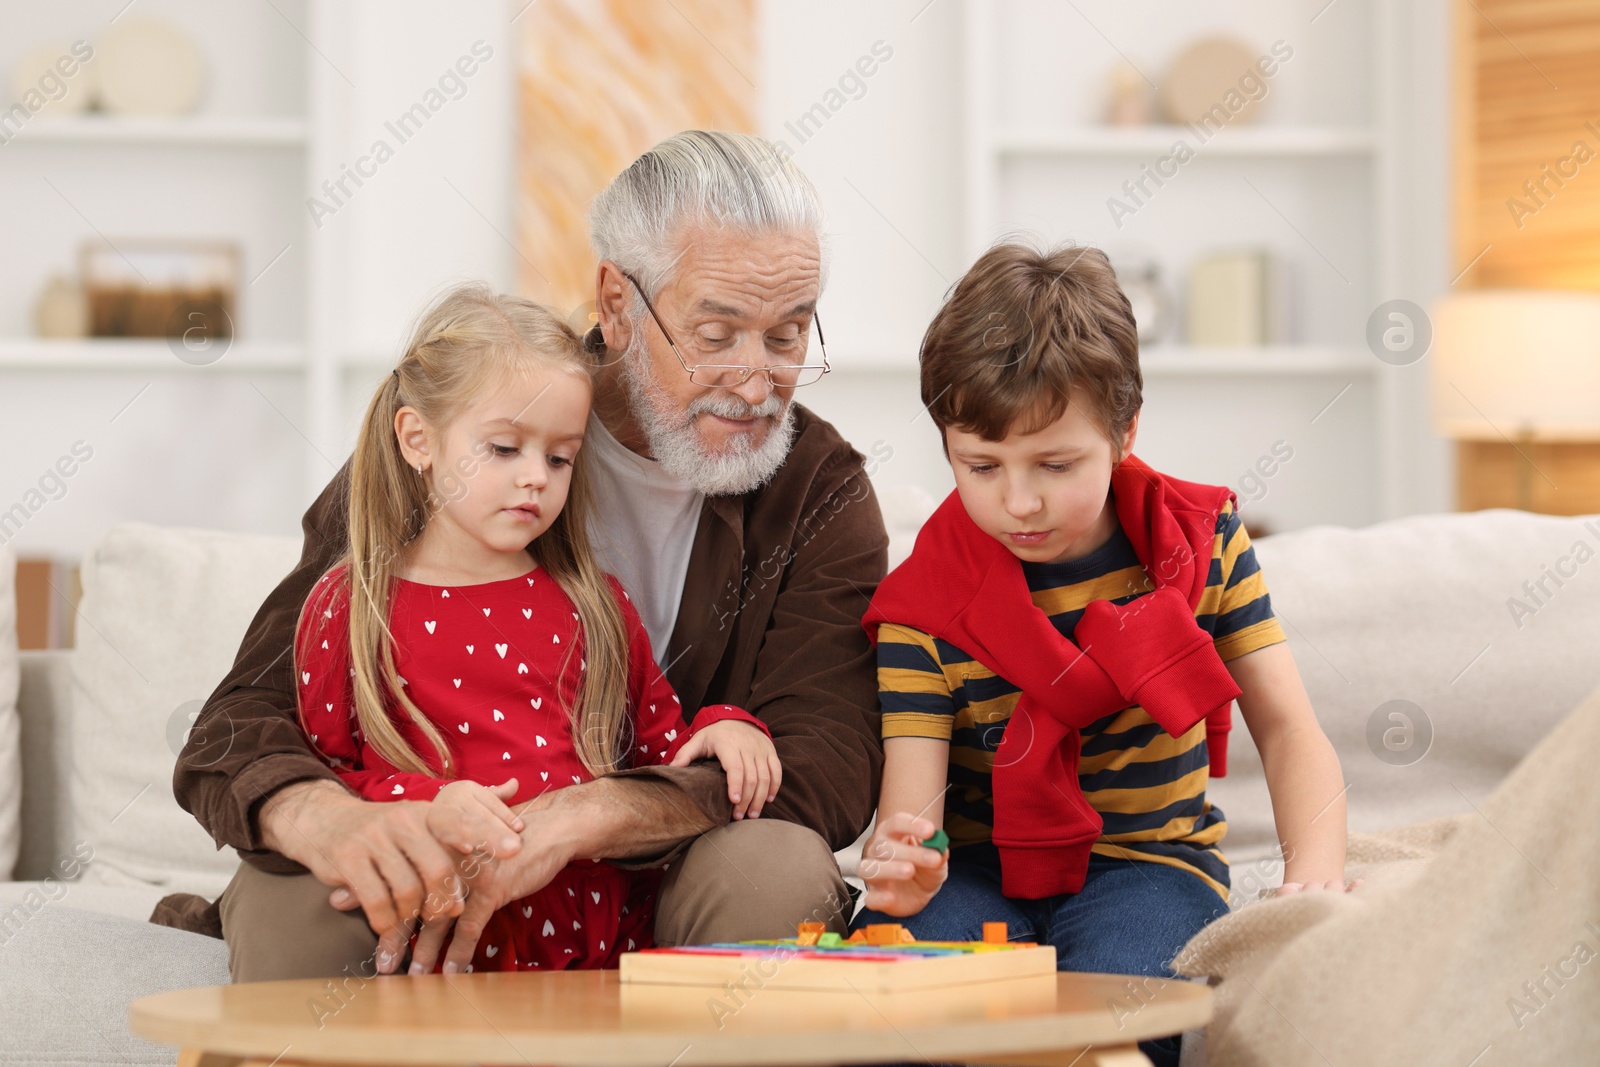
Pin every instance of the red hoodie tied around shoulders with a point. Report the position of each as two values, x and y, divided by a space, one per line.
963 586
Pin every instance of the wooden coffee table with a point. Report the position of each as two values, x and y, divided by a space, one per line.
587 1018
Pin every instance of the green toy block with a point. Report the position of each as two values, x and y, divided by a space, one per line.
940 841
830 940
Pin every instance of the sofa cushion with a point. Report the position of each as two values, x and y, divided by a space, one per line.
67 977
1432 666
23 900
10 731
163 613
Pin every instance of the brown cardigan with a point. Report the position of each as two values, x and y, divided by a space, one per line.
770 620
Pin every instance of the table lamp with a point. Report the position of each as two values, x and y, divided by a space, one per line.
1516 382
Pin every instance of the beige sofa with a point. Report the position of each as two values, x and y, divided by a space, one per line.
1418 610
88 825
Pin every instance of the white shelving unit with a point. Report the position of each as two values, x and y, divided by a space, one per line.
301 87
199 130
239 170
1158 139
1314 180
1265 360
297 92
1165 361
112 354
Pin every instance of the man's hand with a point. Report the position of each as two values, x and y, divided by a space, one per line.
901 873
380 857
549 843
614 818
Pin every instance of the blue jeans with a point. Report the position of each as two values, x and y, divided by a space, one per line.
1130 918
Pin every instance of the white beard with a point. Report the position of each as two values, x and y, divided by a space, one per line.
677 445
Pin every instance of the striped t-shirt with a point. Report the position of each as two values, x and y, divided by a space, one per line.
1148 786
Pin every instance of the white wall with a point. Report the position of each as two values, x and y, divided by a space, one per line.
1422 134
439 211
888 167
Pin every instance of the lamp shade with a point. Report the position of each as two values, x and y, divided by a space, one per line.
1520 363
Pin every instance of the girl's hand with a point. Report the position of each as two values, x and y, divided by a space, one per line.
748 757
1337 885
467 811
902 874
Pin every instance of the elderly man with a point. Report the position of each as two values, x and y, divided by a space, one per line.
747 533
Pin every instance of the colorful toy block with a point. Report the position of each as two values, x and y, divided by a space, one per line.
885 933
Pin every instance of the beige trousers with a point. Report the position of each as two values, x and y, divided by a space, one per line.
753 879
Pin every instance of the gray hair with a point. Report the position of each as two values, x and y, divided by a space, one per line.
697 177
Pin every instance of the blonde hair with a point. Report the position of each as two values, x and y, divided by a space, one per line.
470 340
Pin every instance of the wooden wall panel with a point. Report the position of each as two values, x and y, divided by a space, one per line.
1528 143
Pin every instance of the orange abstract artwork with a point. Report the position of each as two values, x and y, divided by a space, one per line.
600 81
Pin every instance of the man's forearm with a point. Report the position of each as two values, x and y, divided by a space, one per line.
621 818
284 814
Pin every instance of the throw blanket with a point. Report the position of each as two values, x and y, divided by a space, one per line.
1475 940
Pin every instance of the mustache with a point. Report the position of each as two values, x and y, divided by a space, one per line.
730 406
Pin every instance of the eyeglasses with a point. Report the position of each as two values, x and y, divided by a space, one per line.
716 375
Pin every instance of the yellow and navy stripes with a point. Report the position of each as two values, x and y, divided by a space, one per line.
1148 786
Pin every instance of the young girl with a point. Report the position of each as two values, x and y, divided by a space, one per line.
467 650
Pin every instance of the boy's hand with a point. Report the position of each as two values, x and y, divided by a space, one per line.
472 812
1337 885
748 757
901 874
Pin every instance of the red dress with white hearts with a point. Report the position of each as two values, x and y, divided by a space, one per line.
484 663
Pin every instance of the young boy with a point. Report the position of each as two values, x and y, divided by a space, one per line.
1057 658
